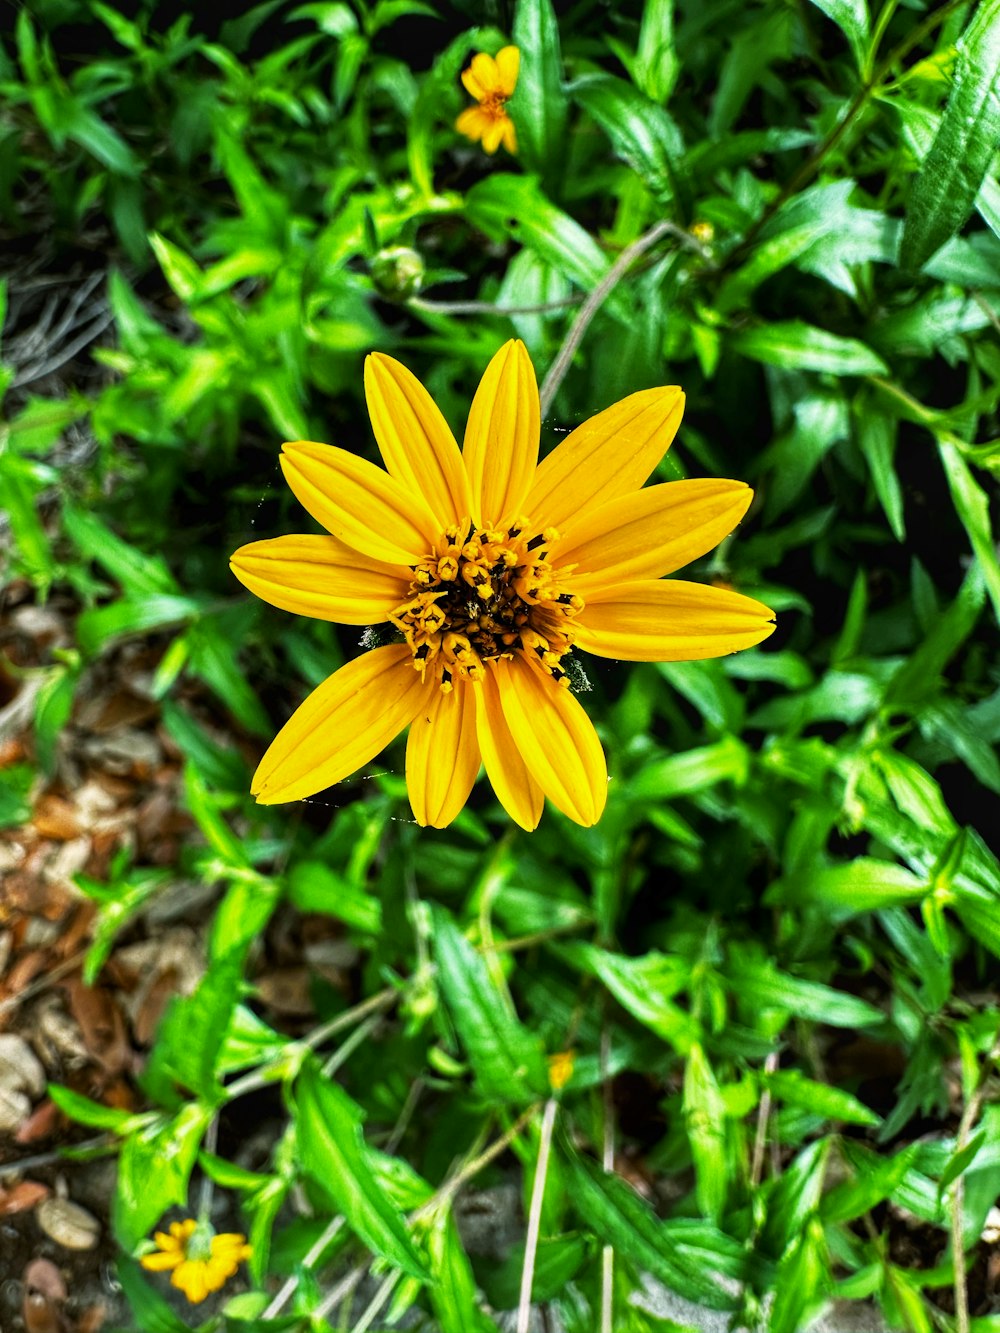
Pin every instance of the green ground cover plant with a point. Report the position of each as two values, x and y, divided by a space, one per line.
739 1035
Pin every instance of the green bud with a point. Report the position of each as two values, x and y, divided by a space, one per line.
398 272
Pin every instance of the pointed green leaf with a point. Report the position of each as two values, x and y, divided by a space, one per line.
538 107
334 1153
795 345
851 17
506 1058
954 170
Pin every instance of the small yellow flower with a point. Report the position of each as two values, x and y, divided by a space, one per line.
560 1069
491 82
493 569
199 1261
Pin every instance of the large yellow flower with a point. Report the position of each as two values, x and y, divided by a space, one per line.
491 567
492 83
198 1260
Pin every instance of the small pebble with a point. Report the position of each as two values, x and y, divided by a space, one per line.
20 1068
68 1224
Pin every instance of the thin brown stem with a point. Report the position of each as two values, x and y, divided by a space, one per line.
763 1116
488 308
590 307
535 1215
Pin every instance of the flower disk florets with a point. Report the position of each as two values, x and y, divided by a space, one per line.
486 593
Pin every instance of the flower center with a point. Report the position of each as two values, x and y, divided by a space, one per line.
483 594
494 105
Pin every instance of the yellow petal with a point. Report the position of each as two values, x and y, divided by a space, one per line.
493 137
320 576
417 447
442 755
509 135
607 456
650 532
508 62
670 621
190 1278
359 503
343 724
557 740
501 438
473 123
484 71
472 85
517 791
162 1263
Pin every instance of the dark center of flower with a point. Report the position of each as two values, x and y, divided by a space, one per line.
483 594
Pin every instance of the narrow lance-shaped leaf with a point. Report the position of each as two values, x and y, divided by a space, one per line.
640 131
796 345
954 170
538 106
506 1058
688 1257
334 1154
973 508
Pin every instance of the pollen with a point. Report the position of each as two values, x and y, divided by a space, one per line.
486 593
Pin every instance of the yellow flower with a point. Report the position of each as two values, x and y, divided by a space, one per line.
199 1261
491 82
492 568
560 1069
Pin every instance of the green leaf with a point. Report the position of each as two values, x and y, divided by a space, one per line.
506 1058
727 760
219 835
87 1112
151 1311
558 1259
795 345
851 17
802 1281
119 903
179 269
861 885
761 985
98 626
513 206
315 887
40 423
954 170
875 433
640 131
656 64
643 986
154 1167
688 1257
960 1161
138 573
771 256
973 506
100 140
794 1089
334 1153
453 1293
918 677
538 107
705 1122
875 1179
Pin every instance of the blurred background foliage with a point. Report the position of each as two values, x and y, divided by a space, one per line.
774 958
